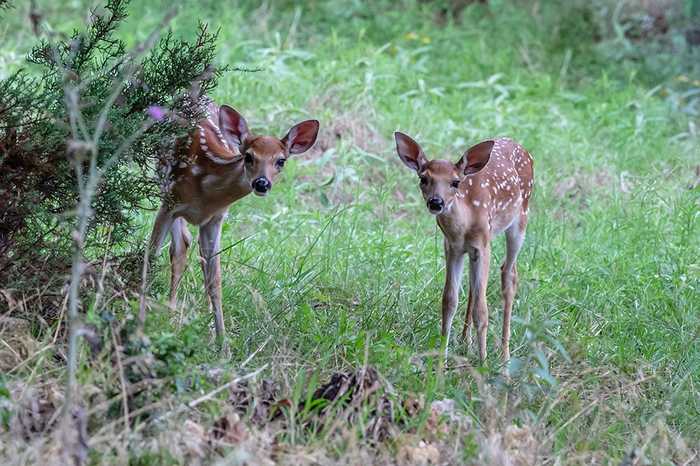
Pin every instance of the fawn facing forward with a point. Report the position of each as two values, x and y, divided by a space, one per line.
226 163
485 193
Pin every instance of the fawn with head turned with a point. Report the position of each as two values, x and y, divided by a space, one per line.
485 193
225 163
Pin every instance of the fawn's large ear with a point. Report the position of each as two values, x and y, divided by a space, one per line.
233 126
410 152
475 158
301 137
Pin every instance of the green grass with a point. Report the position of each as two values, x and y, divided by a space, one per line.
341 265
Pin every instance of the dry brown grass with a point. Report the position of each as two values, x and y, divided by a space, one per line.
367 421
221 432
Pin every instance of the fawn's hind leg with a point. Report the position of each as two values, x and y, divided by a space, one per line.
515 235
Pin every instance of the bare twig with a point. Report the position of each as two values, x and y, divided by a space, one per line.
254 353
122 380
223 387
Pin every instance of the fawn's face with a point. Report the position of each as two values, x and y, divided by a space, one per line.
439 179
264 156
263 160
439 184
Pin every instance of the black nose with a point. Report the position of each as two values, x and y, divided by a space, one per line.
436 203
261 184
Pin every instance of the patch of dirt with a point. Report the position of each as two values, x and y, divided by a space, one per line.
348 124
581 185
349 129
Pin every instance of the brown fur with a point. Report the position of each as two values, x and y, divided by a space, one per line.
485 193
223 159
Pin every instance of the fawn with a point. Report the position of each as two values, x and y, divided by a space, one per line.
486 192
225 163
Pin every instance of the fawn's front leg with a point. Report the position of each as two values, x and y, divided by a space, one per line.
209 245
161 227
479 258
179 244
454 265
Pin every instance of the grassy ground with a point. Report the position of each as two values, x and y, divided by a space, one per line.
341 267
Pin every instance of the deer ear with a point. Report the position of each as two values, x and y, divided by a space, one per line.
301 137
475 158
233 126
410 152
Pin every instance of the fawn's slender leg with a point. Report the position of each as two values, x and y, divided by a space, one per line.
466 331
180 243
161 227
515 235
209 245
450 294
479 259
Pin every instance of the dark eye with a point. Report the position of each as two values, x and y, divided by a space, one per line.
423 180
280 162
455 184
248 157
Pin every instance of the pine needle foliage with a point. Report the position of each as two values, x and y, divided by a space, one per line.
37 178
